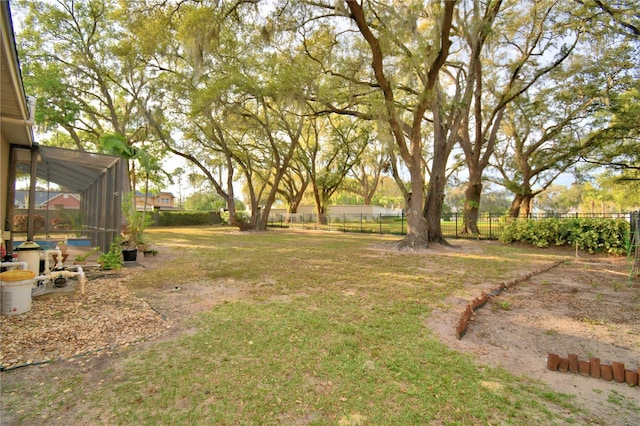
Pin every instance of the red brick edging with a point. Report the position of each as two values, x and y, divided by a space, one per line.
481 300
615 371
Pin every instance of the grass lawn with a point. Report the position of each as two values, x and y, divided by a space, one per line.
330 330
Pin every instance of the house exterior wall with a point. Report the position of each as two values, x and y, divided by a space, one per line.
4 171
364 210
338 210
15 127
162 201
65 201
302 209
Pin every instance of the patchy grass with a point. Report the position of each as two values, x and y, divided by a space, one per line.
331 332
313 360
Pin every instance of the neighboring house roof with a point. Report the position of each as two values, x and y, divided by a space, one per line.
42 197
151 194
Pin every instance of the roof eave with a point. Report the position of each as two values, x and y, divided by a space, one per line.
20 126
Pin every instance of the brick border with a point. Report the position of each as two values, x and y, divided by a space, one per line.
615 371
481 300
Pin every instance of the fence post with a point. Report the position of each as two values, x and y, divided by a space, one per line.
344 222
380 221
402 222
456 213
490 234
361 229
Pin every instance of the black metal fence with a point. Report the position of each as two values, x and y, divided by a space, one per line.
634 238
635 222
490 225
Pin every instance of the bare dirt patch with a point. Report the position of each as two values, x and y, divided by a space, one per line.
586 306
84 335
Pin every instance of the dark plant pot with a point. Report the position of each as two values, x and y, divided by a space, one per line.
130 255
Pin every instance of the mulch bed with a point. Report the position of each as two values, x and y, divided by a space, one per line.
108 316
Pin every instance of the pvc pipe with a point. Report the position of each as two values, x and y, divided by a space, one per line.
23 265
46 257
82 279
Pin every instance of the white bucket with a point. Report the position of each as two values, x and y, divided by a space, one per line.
15 291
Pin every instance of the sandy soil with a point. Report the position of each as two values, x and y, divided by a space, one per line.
586 306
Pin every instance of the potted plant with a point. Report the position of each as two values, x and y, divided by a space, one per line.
129 250
133 233
150 252
111 259
62 246
81 259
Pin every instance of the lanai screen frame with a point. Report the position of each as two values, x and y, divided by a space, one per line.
100 179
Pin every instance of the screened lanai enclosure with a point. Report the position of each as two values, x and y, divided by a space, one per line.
96 181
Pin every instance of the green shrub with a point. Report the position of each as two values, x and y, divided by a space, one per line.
183 218
240 215
594 235
113 258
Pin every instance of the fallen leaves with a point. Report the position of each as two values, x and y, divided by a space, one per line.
108 316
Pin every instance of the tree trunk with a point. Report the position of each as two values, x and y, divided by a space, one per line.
433 209
321 210
514 210
294 203
418 224
146 200
230 199
290 212
435 194
527 204
417 227
521 206
471 207
321 215
263 219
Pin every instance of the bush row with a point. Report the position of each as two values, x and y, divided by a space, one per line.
182 218
594 235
